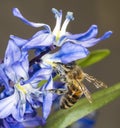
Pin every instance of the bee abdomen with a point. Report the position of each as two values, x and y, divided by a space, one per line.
68 100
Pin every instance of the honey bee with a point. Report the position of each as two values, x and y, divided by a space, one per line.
73 76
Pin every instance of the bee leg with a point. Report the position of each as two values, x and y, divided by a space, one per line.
93 80
59 91
86 92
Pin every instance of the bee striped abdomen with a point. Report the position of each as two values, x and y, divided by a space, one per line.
70 98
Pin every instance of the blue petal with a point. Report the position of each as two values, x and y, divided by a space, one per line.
20 71
68 53
42 74
58 84
33 98
10 122
18 41
32 122
11 74
34 68
93 41
18 14
87 122
7 105
29 108
42 49
25 65
12 53
43 39
3 78
19 109
61 41
4 124
92 32
47 99
36 103
17 71
39 33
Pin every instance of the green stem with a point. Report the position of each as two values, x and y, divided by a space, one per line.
64 118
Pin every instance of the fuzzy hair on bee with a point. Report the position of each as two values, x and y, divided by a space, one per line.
73 76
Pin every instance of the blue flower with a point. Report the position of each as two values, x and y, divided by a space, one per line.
59 35
40 39
25 89
22 95
72 46
30 121
67 53
4 82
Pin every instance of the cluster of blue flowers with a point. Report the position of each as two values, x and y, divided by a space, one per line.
20 93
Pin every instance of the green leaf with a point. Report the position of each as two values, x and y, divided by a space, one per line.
64 118
42 83
94 57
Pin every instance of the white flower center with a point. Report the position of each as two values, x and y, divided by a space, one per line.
59 30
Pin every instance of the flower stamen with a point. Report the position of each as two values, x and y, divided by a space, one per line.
58 16
69 17
21 88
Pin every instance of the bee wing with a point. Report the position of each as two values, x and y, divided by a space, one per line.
93 80
86 92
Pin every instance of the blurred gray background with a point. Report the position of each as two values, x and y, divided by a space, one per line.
104 13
